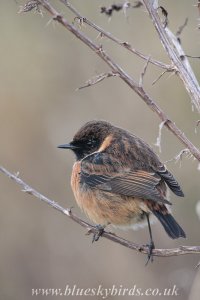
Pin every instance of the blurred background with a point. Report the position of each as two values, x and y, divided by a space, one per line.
42 65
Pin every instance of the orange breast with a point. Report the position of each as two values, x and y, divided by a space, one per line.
103 207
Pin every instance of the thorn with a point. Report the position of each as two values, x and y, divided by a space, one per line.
27 190
67 212
81 21
100 36
89 231
17 174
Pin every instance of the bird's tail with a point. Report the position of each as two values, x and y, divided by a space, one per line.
170 225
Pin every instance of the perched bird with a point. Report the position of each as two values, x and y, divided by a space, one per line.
118 179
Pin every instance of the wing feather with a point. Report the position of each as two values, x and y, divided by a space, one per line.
138 183
170 181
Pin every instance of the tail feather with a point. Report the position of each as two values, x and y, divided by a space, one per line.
170 225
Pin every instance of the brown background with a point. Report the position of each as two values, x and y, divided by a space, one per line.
41 67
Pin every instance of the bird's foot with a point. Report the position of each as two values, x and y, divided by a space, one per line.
99 230
150 246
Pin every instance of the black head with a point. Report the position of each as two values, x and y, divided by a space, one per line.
89 138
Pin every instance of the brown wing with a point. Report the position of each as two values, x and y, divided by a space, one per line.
98 172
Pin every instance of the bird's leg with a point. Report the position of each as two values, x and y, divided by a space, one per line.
99 229
151 245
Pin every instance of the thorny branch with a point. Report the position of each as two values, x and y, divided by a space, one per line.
181 250
103 33
121 73
176 54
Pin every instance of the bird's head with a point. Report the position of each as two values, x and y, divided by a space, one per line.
89 138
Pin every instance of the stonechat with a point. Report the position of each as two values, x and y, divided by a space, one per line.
117 179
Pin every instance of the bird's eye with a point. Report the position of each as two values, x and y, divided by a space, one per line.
91 142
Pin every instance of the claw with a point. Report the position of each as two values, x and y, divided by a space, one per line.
99 230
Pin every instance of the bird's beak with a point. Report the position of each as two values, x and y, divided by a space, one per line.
67 146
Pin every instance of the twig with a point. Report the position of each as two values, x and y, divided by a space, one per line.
96 79
158 78
143 73
190 56
181 250
179 156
